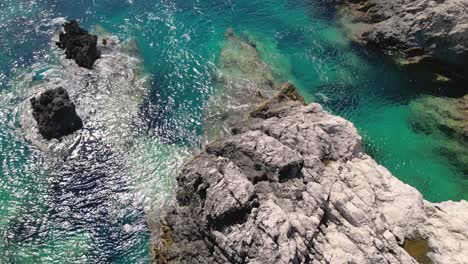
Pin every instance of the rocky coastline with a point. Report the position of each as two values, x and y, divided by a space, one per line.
292 185
288 184
434 33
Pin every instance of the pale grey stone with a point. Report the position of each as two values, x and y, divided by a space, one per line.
295 188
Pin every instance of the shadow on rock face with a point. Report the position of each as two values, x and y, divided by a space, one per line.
55 114
79 45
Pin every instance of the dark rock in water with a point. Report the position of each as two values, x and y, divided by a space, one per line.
79 45
55 114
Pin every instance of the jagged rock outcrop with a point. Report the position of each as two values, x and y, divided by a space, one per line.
55 114
291 185
108 98
426 31
79 45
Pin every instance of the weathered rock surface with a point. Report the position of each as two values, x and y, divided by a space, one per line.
292 186
55 114
420 30
79 45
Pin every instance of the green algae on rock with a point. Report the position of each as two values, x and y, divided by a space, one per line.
445 115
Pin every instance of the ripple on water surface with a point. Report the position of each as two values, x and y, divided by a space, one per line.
52 213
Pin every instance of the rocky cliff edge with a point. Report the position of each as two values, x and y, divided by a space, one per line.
433 32
291 185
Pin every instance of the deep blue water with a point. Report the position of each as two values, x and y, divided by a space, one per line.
180 43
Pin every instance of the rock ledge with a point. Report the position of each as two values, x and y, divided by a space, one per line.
292 186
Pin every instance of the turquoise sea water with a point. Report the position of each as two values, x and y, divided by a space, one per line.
180 42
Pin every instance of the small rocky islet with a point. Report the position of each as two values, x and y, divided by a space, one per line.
78 123
55 114
79 45
53 110
289 183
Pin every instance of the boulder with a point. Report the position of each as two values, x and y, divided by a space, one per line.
79 45
55 114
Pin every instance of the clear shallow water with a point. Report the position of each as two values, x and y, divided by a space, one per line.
180 42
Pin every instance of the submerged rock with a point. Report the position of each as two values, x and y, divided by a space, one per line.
292 186
55 114
243 81
79 45
446 115
434 32
446 119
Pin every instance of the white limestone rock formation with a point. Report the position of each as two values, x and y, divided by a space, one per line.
293 186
